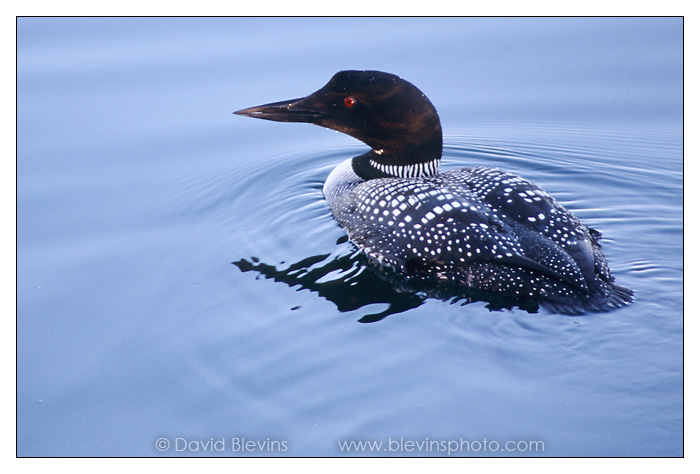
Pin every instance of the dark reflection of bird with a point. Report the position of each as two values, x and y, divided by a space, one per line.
472 231
350 289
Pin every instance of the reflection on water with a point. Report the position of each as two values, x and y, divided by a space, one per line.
351 282
346 281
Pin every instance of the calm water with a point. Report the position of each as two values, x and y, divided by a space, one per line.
181 280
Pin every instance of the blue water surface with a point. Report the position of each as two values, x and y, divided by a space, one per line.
184 291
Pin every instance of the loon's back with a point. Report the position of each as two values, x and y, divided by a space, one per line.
483 230
470 232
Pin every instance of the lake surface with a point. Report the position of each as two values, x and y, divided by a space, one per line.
182 289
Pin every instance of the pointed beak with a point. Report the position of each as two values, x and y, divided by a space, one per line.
317 109
294 110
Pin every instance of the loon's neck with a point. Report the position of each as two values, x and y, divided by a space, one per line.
382 164
341 178
373 165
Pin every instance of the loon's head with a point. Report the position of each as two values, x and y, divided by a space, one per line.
384 111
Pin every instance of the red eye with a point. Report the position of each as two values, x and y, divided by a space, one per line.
349 102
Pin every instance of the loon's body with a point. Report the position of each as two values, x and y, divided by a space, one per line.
481 230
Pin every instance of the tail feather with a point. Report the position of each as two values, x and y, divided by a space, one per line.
604 297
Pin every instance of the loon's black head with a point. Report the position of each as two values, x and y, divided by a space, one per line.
384 111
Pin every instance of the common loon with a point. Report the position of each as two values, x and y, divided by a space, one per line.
479 229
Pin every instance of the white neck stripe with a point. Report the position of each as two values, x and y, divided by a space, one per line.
408 171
